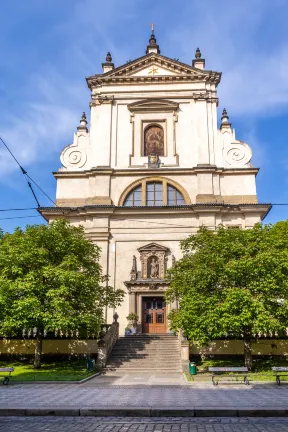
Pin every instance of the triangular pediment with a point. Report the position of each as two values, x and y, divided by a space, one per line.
153 68
156 105
144 65
153 247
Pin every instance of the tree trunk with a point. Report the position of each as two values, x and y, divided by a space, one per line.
248 353
38 352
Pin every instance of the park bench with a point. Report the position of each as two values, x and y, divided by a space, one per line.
6 374
280 371
231 372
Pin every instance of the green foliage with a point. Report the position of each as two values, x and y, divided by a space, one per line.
231 282
50 278
132 317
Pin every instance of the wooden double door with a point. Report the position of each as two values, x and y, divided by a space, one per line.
153 315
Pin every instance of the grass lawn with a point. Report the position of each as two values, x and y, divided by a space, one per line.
262 369
62 370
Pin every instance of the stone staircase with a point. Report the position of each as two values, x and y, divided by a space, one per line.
146 353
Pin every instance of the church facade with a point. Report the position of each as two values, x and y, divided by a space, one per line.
151 169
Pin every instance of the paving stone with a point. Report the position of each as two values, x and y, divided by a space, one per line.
119 411
91 424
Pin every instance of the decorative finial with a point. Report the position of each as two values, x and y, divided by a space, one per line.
225 117
152 47
198 54
108 57
83 123
108 65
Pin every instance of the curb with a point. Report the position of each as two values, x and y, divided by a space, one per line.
147 412
55 382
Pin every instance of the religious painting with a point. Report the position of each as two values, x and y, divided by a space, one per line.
154 140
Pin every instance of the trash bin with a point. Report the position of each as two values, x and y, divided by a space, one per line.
192 368
90 364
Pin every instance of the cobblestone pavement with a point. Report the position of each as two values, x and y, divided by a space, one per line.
92 424
198 395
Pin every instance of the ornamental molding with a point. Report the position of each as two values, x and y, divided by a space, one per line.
237 153
101 81
153 260
160 286
74 155
153 105
153 247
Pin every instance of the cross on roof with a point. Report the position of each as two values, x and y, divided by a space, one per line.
152 27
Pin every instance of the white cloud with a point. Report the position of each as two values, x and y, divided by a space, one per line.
46 107
50 103
230 36
41 123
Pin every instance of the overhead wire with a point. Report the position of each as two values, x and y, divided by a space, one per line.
20 209
21 217
24 172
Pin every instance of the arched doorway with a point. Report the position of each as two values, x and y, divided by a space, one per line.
154 140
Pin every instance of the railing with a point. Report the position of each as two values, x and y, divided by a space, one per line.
108 337
184 350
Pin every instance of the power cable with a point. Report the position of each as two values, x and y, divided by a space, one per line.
20 209
24 172
21 217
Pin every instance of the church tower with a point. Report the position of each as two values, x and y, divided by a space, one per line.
152 168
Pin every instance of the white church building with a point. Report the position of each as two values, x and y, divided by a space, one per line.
151 168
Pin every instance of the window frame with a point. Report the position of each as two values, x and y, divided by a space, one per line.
143 184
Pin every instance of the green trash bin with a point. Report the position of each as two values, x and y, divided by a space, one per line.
90 364
192 368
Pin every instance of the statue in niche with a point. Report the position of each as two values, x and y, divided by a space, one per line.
154 268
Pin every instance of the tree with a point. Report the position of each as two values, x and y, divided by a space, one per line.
232 283
50 278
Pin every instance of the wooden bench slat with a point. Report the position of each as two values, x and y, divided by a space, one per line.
280 369
228 369
7 369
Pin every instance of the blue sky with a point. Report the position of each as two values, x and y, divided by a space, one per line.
48 47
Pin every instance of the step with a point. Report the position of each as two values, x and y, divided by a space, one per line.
144 356
159 356
151 370
145 351
148 343
143 360
164 346
152 367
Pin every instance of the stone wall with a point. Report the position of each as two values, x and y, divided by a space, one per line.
263 347
51 347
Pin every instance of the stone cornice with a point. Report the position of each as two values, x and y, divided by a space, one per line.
110 210
156 79
198 97
159 171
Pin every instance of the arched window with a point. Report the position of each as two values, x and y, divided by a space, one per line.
154 140
134 199
153 194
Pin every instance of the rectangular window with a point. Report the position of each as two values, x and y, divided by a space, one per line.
148 318
159 318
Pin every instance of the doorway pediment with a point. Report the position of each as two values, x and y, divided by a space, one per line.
153 105
153 247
